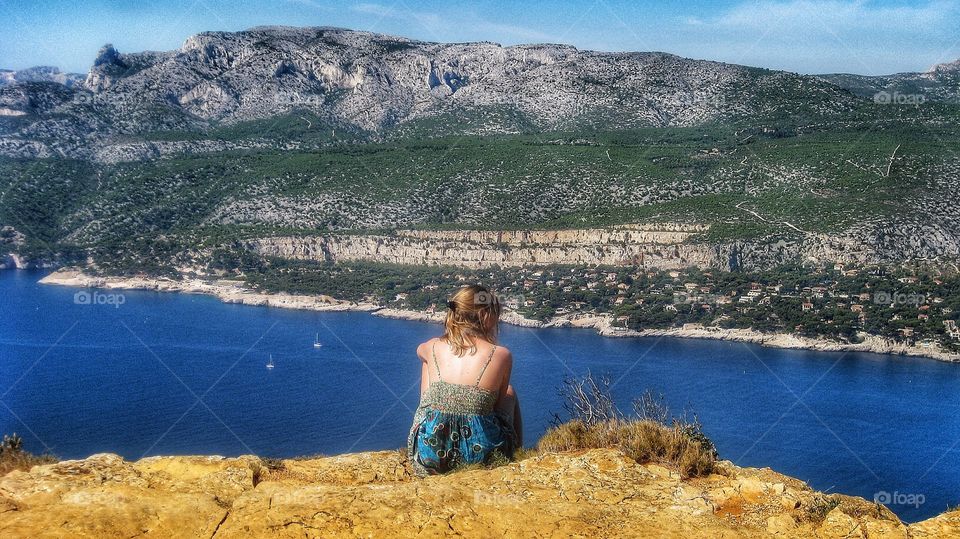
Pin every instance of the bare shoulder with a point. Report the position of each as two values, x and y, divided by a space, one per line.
424 349
504 364
503 354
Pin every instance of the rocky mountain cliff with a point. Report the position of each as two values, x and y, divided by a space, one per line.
598 493
373 86
941 83
369 83
41 74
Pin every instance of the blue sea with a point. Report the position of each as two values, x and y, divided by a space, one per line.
147 373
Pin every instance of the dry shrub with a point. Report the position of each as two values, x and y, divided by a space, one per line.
588 399
13 457
523 453
596 422
820 506
642 440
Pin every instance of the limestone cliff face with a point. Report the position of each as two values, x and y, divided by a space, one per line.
641 246
599 493
660 246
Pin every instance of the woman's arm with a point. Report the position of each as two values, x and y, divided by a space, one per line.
517 420
424 368
507 370
509 402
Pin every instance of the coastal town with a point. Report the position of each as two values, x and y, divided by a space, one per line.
916 307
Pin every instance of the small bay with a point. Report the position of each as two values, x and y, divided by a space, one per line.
162 374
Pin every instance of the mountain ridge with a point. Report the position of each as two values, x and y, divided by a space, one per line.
939 83
375 82
40 73
371 86
939 67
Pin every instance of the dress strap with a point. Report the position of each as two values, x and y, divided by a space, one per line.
484 369
433 350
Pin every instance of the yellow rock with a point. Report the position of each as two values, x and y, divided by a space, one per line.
840 524
945 525
597 493
885 529
782 524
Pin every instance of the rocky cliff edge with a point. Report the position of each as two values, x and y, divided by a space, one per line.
598 493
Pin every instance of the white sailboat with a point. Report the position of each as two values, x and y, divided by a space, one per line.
270 363
316 342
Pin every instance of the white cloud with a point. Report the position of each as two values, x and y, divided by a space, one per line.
431 22
375 9
313 4
453 27
860 36
519 33
837 16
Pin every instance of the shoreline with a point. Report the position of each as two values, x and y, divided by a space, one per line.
232 291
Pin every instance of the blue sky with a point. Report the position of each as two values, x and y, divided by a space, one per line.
806 36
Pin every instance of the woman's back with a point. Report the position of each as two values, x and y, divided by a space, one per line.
463 417
488 367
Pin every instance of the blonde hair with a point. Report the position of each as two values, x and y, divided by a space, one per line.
472 312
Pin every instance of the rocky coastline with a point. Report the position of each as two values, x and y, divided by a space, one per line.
232 291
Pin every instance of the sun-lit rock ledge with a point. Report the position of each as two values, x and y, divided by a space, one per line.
599 493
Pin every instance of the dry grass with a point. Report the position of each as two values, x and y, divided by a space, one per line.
523 453
654 435
820 506
13 457
496 460
640 439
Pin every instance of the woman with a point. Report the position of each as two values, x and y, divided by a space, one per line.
469 412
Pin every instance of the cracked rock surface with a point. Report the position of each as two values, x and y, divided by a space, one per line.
598 493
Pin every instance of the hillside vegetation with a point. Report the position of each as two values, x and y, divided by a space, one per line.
843 181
